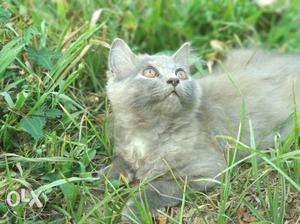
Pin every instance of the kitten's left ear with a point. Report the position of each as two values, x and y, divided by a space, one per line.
182 55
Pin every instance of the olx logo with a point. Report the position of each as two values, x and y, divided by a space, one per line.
24 202
14 198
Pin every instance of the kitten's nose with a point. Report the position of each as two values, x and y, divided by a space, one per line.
173 81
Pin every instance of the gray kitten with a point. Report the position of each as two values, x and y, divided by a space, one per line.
164 119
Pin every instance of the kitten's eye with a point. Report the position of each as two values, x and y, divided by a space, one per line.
181 74
150 72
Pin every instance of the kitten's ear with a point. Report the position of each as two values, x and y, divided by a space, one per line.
182 55
120 59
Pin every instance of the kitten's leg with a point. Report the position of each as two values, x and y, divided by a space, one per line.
116 169
156 195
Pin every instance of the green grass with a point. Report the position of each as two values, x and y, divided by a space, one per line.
54 114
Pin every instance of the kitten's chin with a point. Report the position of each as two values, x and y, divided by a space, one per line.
171 105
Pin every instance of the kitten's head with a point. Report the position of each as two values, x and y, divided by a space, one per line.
147 84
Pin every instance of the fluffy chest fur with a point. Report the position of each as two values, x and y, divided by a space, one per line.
148 150
139 144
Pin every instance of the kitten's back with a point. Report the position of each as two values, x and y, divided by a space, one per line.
265 82
261 62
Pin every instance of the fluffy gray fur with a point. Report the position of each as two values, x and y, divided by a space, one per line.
156 131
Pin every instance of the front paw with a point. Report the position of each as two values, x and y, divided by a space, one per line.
119 169
108 179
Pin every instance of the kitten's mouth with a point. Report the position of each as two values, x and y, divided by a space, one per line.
173 93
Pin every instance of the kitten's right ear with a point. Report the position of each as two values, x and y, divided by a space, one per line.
182 55
121 58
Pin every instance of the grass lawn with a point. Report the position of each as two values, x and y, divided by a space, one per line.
54 114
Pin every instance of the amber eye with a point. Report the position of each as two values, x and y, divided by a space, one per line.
181 74
150 72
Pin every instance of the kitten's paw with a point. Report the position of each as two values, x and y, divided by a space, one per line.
100 174
104 171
